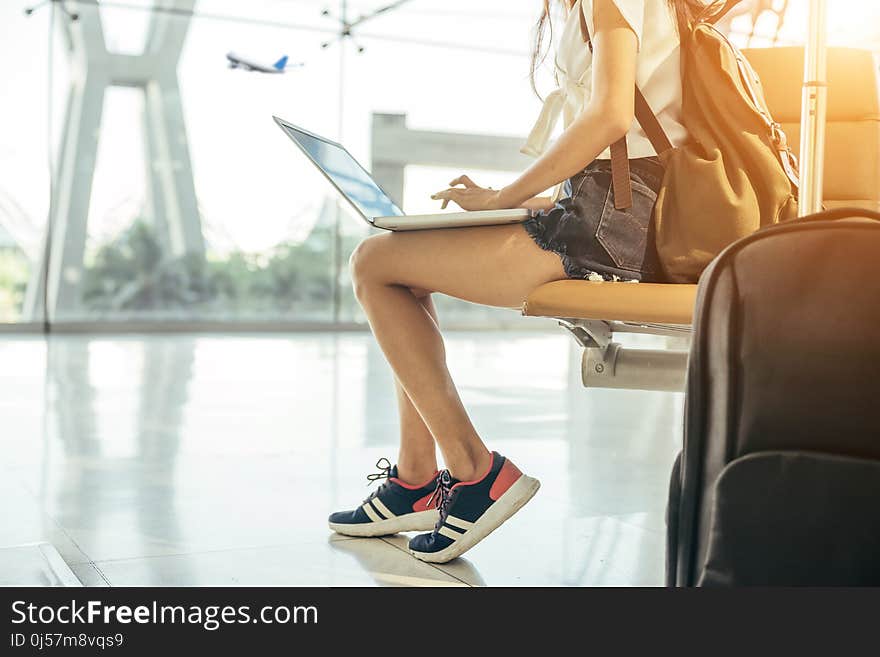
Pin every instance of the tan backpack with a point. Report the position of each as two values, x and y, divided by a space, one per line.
735 174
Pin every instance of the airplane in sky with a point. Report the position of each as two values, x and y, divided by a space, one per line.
237 61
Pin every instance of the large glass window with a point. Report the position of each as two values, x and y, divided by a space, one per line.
182 200
201 209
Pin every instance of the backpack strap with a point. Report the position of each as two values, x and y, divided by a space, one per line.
621 182
712 15
651 124
620 171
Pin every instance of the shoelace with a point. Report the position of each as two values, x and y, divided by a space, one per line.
384 466
442 498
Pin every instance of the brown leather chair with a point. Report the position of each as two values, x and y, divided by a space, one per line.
595 311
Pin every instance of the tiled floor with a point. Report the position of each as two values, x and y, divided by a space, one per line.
204 460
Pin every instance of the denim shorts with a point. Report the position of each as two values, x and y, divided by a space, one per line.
595 240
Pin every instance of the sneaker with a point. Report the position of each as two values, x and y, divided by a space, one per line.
471 510
393 507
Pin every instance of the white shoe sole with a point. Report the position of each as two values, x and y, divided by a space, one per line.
504 507
420 521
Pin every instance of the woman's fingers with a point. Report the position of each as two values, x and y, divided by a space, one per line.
468 198
448 195
454 193
463 180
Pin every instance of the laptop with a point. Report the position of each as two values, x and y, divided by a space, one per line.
370 201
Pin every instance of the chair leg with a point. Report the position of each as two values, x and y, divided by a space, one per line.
634 369
588 332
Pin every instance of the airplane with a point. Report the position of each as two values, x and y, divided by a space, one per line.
236 61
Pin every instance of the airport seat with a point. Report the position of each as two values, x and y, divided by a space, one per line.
595 311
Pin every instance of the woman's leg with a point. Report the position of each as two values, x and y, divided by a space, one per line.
417 459
489 265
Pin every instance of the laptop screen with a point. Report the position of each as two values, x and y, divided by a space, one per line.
344 171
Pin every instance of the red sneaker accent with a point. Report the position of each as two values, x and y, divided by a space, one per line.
410 486
422 504
507 477
481 477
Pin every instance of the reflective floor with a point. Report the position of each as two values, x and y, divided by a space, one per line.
210 460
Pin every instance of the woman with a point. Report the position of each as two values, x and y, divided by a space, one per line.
577 233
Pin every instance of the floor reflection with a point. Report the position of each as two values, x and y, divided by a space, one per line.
118 408
388 565
204 459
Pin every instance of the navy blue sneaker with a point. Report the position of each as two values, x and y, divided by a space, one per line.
393 507
471 510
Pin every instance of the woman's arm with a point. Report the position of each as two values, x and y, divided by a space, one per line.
538 203
607 117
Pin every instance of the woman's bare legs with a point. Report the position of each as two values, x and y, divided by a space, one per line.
489 265
417 459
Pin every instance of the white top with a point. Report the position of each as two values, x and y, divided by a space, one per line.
658 74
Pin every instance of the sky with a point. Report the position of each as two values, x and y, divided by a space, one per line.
452 65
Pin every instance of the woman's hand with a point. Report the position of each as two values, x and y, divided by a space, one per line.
470 196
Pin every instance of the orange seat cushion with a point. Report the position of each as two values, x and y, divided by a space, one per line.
644 303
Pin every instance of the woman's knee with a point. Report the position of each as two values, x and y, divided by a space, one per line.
366 266
363 265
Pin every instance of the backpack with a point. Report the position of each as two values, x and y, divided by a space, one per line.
778 482
735 175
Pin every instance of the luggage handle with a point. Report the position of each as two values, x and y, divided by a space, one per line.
842 213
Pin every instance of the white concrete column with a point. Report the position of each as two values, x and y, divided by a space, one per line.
169 169
171 203
77 154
